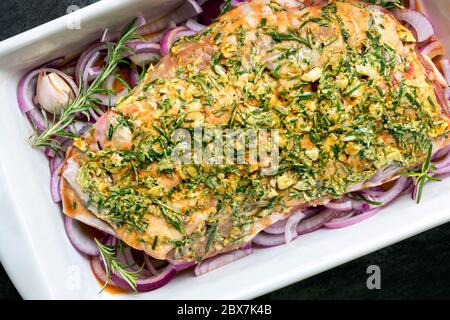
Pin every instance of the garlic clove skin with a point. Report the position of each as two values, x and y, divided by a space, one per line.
53 93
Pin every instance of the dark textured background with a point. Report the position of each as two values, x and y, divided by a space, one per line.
415 268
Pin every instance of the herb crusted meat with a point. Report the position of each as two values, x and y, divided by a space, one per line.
352 101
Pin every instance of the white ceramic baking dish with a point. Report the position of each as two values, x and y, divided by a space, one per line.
36 252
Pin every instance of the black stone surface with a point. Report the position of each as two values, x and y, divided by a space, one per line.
418 268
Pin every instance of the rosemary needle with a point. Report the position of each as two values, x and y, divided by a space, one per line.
109 258
424 175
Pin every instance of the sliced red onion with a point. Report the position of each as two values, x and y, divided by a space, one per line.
400 185
186 33
442 171
438 155
37 119
89 65
312 211
82 242
93 73
188 9
291 226
445 63
444 162
104 37
344 216
143 45
168 39
54 163
145 58
94 114
148 284
353 220
140 21
181 265
433 49
144 52
194 25
277 228
148 264
412 5
109 82
55 182
220 261
86 56
99 271
316 222
339 206
424 28
266 240
133 76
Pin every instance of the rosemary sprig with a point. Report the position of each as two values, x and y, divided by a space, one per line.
211 233
109 257
85 99
424 175
226 6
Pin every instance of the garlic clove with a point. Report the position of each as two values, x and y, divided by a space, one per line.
52 92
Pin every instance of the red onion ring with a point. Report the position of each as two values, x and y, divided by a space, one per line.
84 58
277 228
399 186
148 284
220 261
316 222
79 239
55 179
194 25
133 76
290 232
89 65
444 162
424 28
93 73
188 9
168 39
99 271
339 206
266 240
37 119
145 58
353 220
149 265
445 63
181 265
144 52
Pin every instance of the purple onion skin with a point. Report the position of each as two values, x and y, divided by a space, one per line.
211 10
149 284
